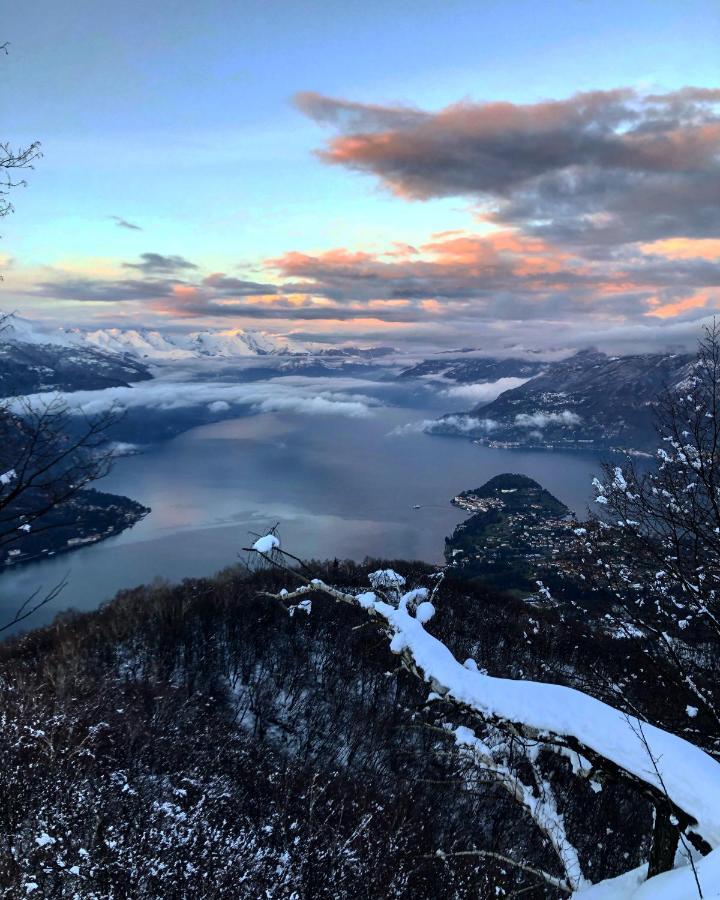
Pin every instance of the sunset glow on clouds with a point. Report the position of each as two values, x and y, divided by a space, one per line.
595 209
461 280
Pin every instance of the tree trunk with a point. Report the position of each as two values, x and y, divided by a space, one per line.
664 843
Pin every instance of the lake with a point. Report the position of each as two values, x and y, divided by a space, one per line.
339 487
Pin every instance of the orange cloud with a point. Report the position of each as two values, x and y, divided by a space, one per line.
669 310
684 248
185 291
295 263
526 256
387 304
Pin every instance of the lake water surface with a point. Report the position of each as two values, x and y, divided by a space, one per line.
339 487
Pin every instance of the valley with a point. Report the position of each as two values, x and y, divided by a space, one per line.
340 486
166 386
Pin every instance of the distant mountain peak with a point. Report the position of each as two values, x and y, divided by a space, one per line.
239 342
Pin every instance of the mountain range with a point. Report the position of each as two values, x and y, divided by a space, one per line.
155 346
475 370
35 359
32 366
228 344
589 400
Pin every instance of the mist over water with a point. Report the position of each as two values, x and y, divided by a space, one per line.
339 487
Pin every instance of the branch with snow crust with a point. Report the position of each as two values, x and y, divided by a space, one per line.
685 777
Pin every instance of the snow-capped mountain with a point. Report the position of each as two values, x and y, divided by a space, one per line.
153 346
26 331
32 361
149 345
237 342
586 401
143 347
222 344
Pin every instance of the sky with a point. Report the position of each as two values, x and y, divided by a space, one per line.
404 172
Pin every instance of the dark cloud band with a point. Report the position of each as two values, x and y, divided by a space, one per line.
599 167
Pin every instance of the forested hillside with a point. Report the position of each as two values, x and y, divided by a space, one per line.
198 741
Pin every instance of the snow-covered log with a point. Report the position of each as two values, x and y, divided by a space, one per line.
668 769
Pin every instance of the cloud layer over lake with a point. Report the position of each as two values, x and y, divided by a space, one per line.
294 395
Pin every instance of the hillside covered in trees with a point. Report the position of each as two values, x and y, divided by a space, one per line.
196 741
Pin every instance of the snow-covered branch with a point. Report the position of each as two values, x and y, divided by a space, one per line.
666 768
549 879
537 799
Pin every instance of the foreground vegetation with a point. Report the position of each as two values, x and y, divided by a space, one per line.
195 741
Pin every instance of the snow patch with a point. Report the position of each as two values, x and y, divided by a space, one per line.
267 544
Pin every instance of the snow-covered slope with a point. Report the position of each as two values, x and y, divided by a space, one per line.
237 342
153 346
35 361
150 345
26 331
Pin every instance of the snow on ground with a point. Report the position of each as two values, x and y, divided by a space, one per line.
690 776
680 884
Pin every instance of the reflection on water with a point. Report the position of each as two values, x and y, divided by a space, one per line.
339 487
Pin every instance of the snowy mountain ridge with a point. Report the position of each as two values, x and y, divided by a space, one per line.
155 346
36 358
